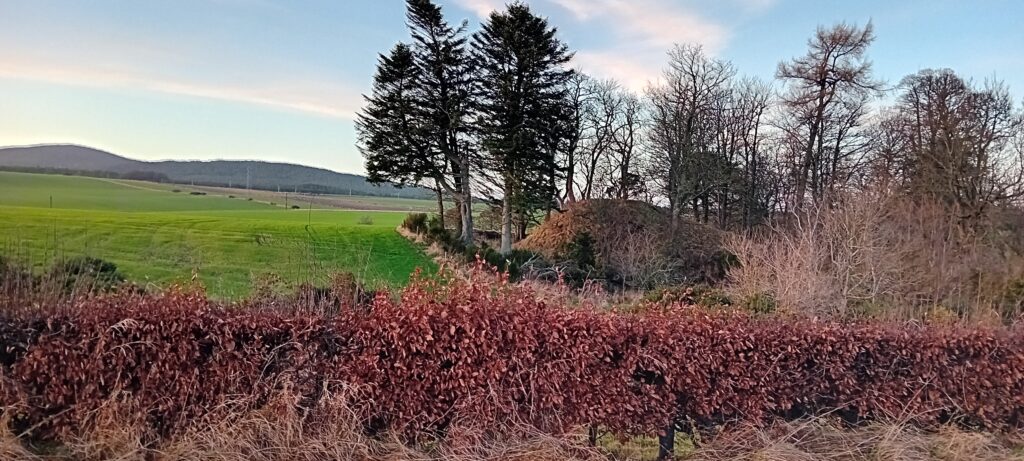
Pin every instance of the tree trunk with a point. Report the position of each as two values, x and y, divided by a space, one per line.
466 207
440 204
570 173
506 222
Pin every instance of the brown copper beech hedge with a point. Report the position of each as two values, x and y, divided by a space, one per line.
487 351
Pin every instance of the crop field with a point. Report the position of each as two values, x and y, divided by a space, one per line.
158 236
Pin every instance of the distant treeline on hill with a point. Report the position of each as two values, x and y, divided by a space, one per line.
85 161
133 175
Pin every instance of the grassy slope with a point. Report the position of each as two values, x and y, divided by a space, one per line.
158 236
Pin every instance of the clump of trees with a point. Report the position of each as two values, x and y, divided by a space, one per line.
450 108
499 114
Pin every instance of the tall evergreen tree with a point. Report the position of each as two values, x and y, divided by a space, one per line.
434 142
522 81
390 127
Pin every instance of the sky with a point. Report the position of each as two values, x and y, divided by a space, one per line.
281 80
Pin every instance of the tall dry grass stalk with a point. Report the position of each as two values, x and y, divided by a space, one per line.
280 431
884 256
824 439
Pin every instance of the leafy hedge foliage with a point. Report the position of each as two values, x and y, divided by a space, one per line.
486 350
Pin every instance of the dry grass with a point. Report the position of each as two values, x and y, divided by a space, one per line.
826 440
330 431
281 431
881 256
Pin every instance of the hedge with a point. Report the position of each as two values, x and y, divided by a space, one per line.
488 351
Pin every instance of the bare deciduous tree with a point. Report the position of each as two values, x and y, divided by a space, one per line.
956 143
683 112
828 89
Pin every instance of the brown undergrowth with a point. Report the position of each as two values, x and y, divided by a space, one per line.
280 432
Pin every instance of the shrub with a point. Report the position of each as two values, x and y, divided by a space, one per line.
581 251
477 349
86 273
195 192
761 303
517 263
365 220
445 238
876 254
231 196
415 223
176 190
697 295
296 207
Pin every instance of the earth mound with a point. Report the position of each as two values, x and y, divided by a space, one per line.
631 242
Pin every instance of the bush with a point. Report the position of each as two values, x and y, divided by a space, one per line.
176 190
365 220
697 295
761 303
435 223
876 254
415 223
481 350
517 263
86 273
445 238
195 192
296 207
231 196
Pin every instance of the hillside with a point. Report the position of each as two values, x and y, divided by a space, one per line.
261 175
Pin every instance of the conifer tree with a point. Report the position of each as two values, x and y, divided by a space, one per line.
522 84
434 140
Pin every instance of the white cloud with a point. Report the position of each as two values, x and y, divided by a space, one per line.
322 99
175 69
482 8
642 31
653 23
645 30
633 72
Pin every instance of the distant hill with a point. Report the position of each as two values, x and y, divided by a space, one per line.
61 158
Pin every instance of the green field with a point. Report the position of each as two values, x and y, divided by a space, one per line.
157 236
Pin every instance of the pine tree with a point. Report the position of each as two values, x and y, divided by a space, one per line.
446 86
390 127
522 80
415 125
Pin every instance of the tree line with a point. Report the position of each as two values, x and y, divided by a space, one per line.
500 114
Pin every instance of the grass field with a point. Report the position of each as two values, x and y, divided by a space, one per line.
157 236
344 202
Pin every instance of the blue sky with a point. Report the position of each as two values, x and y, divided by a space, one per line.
281 79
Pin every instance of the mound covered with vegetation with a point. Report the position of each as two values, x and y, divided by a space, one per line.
630 242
